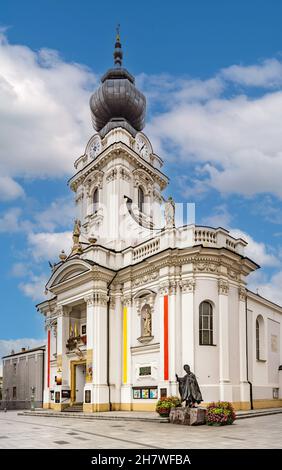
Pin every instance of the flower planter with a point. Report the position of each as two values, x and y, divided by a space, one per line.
220 414
164 405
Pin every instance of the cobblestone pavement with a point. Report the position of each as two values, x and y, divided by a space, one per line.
33 432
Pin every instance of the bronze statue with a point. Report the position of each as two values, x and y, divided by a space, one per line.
189 388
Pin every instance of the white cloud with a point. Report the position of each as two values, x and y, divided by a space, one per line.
270 288
61 212
11 221
19 270
221 217
236 142
44 113
267 74
257 251
47 246
34 287
9 189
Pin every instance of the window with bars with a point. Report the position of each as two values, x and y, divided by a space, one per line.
206 323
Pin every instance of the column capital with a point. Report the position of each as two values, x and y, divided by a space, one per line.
242 293
223 287
188 285
164 289
127 300
96 298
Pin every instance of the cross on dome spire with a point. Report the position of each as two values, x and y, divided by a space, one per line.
118 52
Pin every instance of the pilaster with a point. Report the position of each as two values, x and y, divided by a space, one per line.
244 386
188 285
116 320
126 394
97 316
224 365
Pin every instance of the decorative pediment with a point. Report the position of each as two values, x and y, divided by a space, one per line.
68 270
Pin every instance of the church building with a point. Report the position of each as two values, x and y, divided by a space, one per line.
138 297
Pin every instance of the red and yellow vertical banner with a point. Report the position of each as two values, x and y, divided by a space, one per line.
124 371
48 357
166 359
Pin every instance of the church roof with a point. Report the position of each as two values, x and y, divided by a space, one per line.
117 102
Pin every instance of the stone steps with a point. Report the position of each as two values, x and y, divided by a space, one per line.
133 415
74 409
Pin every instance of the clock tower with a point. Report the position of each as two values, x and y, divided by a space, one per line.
119 182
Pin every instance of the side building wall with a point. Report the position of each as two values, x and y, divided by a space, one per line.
20 374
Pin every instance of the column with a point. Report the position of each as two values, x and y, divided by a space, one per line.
164 338
116 323
126 388
188 323
224 378
244 386
63 378
88 389
47 368
172 337
97 331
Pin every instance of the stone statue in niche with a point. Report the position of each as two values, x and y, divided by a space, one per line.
189 388
170 213
147 321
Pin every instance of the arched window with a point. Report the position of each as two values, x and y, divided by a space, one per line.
260 352
206 323
140 199
257 339
95 200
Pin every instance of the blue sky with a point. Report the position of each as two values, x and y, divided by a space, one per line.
212 74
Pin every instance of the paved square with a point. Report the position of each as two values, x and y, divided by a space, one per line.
35 432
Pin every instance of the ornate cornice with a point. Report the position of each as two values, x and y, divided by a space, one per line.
145 278
206 264
118 149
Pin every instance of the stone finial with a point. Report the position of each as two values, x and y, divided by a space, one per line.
63 256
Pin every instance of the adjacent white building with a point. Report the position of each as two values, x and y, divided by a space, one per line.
137 297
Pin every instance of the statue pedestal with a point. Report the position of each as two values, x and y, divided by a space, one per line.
187 416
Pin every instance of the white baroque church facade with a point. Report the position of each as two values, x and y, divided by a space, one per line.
137 298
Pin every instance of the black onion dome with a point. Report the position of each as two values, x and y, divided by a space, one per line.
117 102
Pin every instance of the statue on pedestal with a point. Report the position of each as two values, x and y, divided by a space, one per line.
76 248
189 388
170 213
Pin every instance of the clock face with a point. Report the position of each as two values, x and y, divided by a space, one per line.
95 148
142 147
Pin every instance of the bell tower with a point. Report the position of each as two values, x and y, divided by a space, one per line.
119 183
